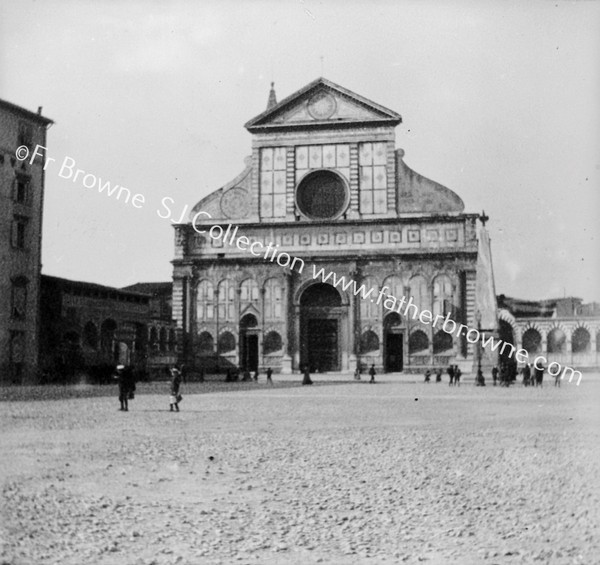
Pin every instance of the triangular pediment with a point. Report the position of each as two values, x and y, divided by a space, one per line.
321 104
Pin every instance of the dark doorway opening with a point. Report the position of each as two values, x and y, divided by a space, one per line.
249 342
320 311
394 352
322 345
249 357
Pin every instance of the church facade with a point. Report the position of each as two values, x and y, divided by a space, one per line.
326 192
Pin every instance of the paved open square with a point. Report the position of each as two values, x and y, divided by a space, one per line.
343 473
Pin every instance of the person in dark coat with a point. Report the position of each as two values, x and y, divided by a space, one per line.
122 380
126 384
269 375
438 375
175 397
539 375
526 375
450 372
457 375
427 375
306 380
372 372
495 375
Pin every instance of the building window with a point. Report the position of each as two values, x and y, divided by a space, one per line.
322 195
419 292
372 158
25 135
18 307
226 342
273 299
17 354
19 232
21 190
205 301
442 296
90 335
418 342
272 182
226 300
272 343
249 293
369 309
206 343
369 342
162 340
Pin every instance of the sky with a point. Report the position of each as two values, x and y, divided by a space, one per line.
500 102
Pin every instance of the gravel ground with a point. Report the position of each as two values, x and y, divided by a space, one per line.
341 474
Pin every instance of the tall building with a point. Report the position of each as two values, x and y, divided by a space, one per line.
326 188
21 207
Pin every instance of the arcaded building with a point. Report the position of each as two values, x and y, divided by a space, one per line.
21 207
326 188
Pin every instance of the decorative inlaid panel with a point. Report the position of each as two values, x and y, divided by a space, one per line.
414 236
341 238
288 240
432 235
452 234
305 239
395 237
235 203
377 237
358 237
323 239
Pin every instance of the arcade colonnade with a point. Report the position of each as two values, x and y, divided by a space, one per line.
570 341
265 316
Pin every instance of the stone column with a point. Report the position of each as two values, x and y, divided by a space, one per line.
287 363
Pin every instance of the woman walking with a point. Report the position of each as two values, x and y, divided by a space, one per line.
175 397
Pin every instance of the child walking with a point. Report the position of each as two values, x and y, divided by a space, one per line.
175 384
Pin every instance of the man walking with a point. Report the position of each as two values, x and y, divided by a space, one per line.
372 372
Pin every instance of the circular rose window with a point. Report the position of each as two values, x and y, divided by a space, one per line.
322 195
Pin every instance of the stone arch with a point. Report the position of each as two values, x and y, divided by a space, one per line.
556 340
418 342
309 283
581 340
532 341
206 343
442 342
226 342
369 342
321 295
272 343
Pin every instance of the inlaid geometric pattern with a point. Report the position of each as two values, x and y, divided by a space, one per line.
373 178
272 182
311 157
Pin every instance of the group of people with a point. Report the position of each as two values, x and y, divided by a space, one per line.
233 375
126 383
358 372
438 375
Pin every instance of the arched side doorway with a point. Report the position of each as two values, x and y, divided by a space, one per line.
249 342
320 328
393 340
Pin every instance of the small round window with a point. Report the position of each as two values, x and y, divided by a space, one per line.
322 195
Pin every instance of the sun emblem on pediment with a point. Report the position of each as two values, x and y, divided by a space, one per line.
322 105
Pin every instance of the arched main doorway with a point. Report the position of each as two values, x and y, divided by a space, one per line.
320 317
249 342
393 343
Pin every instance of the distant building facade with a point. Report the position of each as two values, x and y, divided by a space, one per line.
562 329
86 329
21 208
325 187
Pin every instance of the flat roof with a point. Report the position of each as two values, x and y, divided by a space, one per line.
25 113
